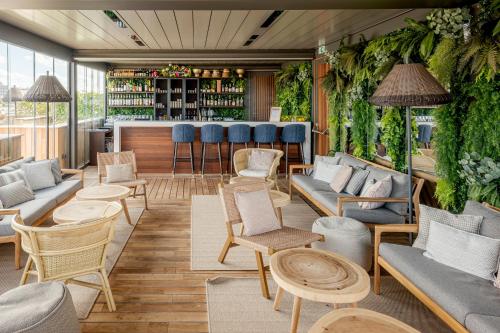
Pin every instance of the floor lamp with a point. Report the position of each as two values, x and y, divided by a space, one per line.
47 88
410 85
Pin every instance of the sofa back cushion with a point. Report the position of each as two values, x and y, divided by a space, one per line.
399 187
348 160
331 160
39 174
13 176
490 227
16 164
56 170
15 193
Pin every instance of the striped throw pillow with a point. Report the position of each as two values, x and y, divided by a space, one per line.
15 193
357 181
14 176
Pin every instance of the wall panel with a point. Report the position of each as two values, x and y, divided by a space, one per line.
261 95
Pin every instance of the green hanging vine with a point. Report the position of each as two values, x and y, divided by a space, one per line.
364 129
293 91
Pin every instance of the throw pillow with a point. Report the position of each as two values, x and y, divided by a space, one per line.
469 223
326 159
357 181
260 160
326 172
341 178
15 193
257 212
119 173
381 189
39 174
497 280
468 252
56 170
13 176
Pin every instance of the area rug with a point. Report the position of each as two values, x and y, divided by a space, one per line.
208 233
236 305
83 298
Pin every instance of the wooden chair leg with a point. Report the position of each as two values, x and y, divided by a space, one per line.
262 275
125 210
297 302
135 192
17 250
145 197
27 268
107 290
225 249
376 276
277 300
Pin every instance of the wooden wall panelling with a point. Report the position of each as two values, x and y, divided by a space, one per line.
261 95
320 108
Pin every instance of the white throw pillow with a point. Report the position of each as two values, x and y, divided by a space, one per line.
257 212
381 189
341 178
260 160
326 171
39 174
472 253
119 173
332 160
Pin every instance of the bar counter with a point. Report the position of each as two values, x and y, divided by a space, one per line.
152 143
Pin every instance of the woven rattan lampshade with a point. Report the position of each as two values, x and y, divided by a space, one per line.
47 88
410 85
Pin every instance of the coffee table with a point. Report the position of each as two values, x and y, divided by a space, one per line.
246 179
107 193
319 276
359 321
77 210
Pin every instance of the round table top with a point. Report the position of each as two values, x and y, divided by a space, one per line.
280 199
103 192
356 320
320 276
243 179
78 210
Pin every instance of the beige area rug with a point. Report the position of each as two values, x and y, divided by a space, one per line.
83 298
236 305
208 233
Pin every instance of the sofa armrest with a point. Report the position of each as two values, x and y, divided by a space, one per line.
10 211
342 200
73 172
299 167
388 228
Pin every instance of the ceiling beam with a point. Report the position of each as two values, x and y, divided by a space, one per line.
226 4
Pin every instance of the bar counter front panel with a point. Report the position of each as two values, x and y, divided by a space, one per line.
152 143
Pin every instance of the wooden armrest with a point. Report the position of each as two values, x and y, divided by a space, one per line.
299 166
73 172
342 200
380 229
13 211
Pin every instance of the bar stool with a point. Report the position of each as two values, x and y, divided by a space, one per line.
211 134
183 133
265 133
293 134
239 134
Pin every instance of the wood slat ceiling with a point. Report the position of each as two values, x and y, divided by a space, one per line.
199 29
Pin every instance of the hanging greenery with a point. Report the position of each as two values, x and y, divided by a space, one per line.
338 119
293 90
364 129
483 177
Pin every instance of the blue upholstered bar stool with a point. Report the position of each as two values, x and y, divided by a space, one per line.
264 133
293 134
236 134
183 133
211 134
424 135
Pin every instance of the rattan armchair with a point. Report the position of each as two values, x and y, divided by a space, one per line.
124 157
240 161
66 252
269 242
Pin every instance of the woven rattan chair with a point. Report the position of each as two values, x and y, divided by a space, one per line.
66 252
269 242
124 157
241 157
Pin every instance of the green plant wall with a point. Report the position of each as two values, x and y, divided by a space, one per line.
364 129
294 89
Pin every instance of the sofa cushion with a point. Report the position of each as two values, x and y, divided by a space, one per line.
328 199
490 227
477 323
357 181
60 192
32 210
399 187
309 184
56 170
15 193
381 189
332 160
380 215
348 160
16 164
39 174
5 228
457 292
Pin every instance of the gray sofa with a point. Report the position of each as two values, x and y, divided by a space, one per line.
320 193
469 303
34 212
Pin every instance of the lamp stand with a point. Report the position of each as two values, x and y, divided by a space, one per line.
409 146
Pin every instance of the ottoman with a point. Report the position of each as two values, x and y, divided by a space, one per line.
38 308
347 237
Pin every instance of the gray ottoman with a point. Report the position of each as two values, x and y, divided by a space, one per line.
38 308
347 237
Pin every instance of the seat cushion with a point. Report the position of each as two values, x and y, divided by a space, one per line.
33 210
457 292
309 184
380 215
477 323
328 199
399 187
490 227
60 192
253 173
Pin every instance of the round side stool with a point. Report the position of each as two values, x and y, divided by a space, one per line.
347 237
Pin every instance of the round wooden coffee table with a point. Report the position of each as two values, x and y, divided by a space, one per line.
107 193
246 179
76 210
359 321
319 276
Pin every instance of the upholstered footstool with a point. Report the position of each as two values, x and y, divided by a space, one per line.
38 308
347 237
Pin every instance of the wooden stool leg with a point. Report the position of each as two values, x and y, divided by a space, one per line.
125 210
262 275
203 159
175 159
277 300
220 157
286 160
191 156
297 301
145 197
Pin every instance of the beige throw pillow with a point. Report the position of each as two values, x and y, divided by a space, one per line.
257 212
341 179
381 189
119 173
260 160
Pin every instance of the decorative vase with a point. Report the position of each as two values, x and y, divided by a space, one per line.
196 72
206 73
215 73
240 72
226 73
